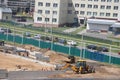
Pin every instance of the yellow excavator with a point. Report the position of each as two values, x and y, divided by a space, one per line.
78 67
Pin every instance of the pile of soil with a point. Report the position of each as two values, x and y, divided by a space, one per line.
55 57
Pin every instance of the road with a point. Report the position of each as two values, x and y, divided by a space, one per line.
44 75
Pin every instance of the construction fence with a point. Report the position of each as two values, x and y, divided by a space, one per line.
75 51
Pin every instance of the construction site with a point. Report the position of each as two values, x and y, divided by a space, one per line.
31 58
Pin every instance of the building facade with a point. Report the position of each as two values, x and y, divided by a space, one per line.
5 14
75 11
19 5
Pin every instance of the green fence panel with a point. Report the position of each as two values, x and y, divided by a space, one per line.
115 60
10 38
2 36
61 48
75 51
106 59
18 39
87 54
45 44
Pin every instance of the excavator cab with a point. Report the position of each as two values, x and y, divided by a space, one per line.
80 63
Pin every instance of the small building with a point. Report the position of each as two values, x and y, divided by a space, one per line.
116 28
5 14
100 25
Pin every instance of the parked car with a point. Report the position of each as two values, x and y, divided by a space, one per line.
93 47
1 31
37 36
27 34
70 42
103 49
7 30
62 41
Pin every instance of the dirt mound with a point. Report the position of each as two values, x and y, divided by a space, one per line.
56 57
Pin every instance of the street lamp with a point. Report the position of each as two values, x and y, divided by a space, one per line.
22 37
110 55
14 35
69 48
82 37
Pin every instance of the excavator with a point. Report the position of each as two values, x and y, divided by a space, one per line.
80 66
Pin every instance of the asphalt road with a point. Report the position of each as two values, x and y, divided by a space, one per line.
43 75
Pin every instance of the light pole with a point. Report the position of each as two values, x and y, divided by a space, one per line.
82 37
14 36
22 37
69 49
7 34
51 30
110 55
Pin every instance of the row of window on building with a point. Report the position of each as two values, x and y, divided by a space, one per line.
47 4
93 13
81 13
46 19
47 12
115 1
83 6
96 6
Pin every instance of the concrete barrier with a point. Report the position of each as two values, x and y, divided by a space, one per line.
3 74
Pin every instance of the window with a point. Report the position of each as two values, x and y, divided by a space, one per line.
76 5
47 4
108 7
116 1
88 13
103 0
47 19
82 5
82 12
54 12
40 4
94 13
89 0
102 14
55 5
95 6
107 14
40 11
54 20
102 7
89 6
109 0
69 11
47 12
115 7
39 18
76 12
96 0
6 17
115 15
70 4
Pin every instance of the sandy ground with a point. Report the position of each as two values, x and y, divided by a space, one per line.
10 63
102 70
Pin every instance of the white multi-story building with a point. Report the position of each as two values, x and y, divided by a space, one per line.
61 12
